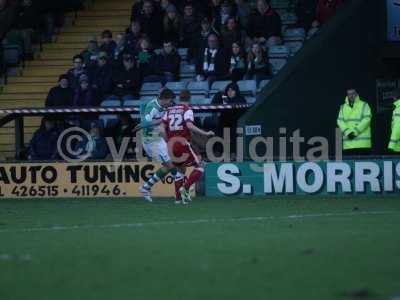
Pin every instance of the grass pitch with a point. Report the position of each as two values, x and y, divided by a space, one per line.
307 248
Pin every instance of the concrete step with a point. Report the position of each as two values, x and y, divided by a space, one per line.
22 104
21 98
92 30
28 80
64 46
103 22
50 62
26 88
45 71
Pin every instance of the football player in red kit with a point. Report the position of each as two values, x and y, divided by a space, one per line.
178 126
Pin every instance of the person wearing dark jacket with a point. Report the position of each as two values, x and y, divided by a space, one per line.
7 16
265 25
100 75
133 35
151 20
84 94
202 40
147 62
213 63
108 45
127 78
258 67
124 129
173 25
229 119
43 145
76 72
61 95
25 24
191 27
91 52
231 95
94 146
238 63
169 63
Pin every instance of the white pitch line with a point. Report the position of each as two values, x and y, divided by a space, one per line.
196 221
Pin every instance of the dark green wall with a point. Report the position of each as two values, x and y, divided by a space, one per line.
307 93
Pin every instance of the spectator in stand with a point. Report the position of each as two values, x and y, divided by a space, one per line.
91 52
258 66
238 64
265 25
43 145
191 27
133 36
119 50
60 95
94 146
231 33
84 94
173 25
325 10
147 62
150 20
306 13
53 12
221 13
100 75
201 41
127 78
213 63
243 12
108 45
138 9
169 63
206 30
24 26
123 130
232 96
76 72
7 16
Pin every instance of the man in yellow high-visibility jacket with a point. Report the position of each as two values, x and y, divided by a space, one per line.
394 144
354 121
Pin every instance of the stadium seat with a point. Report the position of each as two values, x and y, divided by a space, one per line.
277 64
278 51
198 87
247 87
289 18
187 70
176 86
294 34
294 46
183 53
131 102
251 100
219 86
146 98
263 84
312 32
150 89
200 101
109 120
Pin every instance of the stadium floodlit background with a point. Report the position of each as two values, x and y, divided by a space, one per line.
281 227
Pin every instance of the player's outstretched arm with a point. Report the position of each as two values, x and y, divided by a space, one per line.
193 128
